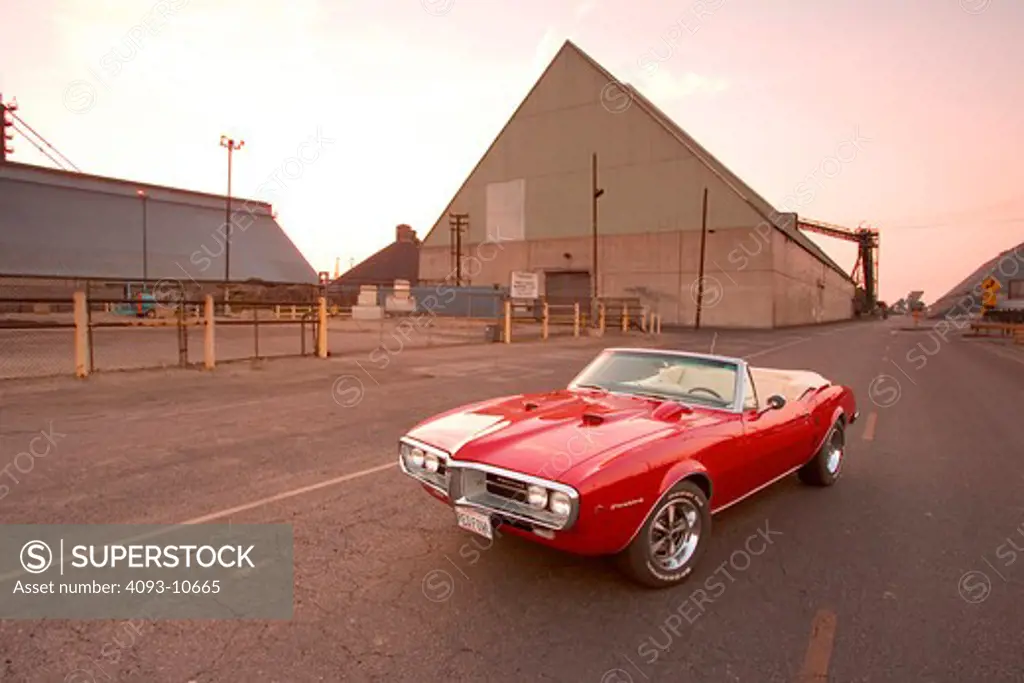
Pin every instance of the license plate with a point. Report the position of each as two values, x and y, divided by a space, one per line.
477 522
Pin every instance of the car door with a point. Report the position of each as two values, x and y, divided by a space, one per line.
775 436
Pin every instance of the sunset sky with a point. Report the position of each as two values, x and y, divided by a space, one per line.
405 96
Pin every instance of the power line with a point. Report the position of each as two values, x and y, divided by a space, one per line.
1016 202
45 141
962 223
37 146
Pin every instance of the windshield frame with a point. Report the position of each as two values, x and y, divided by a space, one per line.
739 365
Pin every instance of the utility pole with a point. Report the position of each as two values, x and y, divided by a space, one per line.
145 238
459 223
703 245
231 145
6 135
595 194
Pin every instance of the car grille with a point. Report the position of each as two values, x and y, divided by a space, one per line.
506 488
500 494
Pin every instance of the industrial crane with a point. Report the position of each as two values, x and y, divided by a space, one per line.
865 270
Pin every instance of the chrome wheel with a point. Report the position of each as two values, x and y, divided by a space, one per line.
834 451
674 535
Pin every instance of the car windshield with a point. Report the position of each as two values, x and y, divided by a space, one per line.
692 379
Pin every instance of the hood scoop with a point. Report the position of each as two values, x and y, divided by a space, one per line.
670 411
592 419
530 405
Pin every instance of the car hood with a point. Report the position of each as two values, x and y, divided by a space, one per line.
545 435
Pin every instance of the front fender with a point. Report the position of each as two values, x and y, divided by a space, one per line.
686 469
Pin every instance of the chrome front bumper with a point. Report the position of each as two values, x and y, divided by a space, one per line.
478 486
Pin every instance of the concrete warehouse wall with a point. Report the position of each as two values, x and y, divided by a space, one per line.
649 216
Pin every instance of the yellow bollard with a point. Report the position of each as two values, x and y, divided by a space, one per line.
544 322
277 311
600 317
625 318
209 348
508 321
81 335
576 319
321 332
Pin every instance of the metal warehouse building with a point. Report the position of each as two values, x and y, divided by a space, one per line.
59 227
529 202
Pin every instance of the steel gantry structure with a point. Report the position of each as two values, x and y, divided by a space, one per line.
865 270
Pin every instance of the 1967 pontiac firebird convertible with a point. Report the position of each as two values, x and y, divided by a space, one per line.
634 456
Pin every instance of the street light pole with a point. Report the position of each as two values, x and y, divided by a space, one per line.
145 237
231 144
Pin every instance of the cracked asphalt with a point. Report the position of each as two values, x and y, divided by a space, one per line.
905 570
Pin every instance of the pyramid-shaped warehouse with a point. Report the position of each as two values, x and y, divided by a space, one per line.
530 209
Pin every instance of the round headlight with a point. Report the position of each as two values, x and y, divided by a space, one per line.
430 462
560 504
417 457
537 496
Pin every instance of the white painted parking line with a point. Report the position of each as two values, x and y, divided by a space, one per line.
289 494
243 508
779 347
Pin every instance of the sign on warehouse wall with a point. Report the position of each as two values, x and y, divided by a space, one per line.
524 285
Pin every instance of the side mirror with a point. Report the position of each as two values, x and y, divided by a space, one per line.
775 402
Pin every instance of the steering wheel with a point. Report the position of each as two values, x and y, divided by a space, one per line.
714 393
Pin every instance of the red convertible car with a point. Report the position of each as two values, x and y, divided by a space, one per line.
634 456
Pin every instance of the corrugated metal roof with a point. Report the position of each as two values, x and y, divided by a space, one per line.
61 224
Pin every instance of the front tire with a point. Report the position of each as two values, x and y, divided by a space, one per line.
827 464
672 540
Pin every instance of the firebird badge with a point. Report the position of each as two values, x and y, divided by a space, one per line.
628 503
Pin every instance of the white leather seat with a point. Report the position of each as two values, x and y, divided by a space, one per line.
676 380
790 384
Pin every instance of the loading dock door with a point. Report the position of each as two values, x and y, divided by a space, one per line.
568 288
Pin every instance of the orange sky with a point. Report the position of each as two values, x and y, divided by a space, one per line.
405 95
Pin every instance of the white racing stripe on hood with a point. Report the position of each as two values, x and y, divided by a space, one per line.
473 425
501 424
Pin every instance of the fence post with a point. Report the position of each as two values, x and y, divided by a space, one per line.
643 319
293 311
576 319
81 335
321 329
544 323
508 321
659 324
625 317
277 311
209 350
600 316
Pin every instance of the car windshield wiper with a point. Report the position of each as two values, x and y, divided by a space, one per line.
651 394
685 400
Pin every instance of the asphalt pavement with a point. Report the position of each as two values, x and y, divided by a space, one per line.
905 570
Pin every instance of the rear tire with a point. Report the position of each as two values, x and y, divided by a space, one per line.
672 539
827 464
